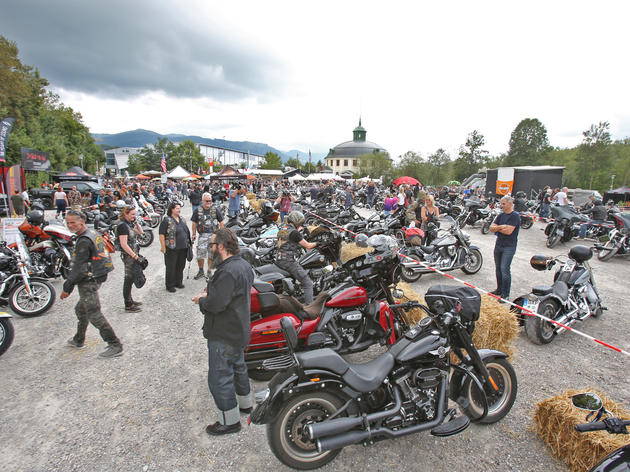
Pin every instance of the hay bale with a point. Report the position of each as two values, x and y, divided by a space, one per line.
257 204
251 196
350 251
497 327
554 420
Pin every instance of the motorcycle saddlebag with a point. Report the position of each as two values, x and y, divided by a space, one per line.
443 298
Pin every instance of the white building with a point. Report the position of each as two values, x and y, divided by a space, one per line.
230 156
117 159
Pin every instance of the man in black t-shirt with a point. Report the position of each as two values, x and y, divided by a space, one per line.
506 226
206 219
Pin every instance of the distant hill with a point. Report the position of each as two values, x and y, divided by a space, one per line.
142 137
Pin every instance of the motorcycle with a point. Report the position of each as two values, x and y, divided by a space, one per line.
26 295
492 215
619 459
573 296
50 246
474 211
450 251
359 311
565 225
616 241
7 332
322 403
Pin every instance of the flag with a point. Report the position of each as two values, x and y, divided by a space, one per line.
163 163
5 130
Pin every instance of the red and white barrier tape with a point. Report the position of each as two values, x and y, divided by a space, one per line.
523 309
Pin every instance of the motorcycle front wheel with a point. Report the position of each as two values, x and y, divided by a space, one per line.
499 403
485 228
155 220
538 330
473 262
146 238
287 434
553 239
527 223
379 206
408 274
43 297
7 334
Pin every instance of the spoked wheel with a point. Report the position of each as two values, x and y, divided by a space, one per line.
553 239
473 262
6 334
379 206
538 330
527 223
40 299
607 251
407 273
155 220
485 227
146 238
288 436
502 399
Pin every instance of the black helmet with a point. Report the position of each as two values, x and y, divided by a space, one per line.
296 218
539 262
598 201
35 217
521 195
361 240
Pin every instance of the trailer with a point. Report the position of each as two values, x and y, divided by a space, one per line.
528 179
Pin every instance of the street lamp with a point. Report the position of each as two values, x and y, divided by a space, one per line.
81 157
612 181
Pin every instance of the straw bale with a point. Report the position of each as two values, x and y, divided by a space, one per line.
554 421
257 204
251 196
350 251
496 328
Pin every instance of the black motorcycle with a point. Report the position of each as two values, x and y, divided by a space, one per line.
617 240
7 332
573 296
565 225
619 459
324 403
449 251
474 211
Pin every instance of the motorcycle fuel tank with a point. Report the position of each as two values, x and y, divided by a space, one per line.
426 343
352 296
59 231
266 333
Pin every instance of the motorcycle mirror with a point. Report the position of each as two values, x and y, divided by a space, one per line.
587 401
397 293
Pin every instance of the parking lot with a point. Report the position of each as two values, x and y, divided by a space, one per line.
66 409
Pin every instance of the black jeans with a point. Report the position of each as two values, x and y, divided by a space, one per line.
175 262
128 280
298 273
88 310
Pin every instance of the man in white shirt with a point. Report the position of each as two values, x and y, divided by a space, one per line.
561 197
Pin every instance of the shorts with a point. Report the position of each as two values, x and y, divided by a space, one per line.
203 246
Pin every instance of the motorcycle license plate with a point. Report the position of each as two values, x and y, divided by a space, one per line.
531 305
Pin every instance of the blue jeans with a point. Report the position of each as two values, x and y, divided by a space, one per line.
232 213
194 209
228 380
282 215
370 200
544 210
585 226
502 260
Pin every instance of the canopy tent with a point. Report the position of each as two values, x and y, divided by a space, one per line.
406 180
251 177
142 177
621 194
296 177
178 173
75 173
152 172
324 176
194 176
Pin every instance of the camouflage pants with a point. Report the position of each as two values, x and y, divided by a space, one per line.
88 310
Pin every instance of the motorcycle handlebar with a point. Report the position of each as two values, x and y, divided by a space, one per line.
596 426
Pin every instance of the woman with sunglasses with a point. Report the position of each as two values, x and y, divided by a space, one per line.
174 239
126 232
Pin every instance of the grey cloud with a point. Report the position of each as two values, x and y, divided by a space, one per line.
124 48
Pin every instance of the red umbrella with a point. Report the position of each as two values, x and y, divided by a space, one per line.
406 180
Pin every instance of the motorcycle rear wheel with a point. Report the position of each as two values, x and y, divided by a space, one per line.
473 262
527 223
287 434
145 239
7 333
500 404
22 303
607 251
409 275
538 330
485 228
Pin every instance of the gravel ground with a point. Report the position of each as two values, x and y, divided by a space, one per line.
67 409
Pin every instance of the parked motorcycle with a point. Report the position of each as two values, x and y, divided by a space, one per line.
450 251
564 226
7 332
26 295
322 403
358 310
619 459
474 211
616 241
573 296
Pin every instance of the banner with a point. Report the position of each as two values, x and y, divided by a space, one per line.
12 182
35 160
505 180
5 131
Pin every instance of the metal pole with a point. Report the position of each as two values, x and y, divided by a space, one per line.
612 181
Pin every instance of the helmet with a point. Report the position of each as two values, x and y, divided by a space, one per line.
539 262
296 218
521 195
120 204
597 201
35 217
610 202
361 240
266 208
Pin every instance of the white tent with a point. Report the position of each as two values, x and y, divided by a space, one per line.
296 177
323 176
178 173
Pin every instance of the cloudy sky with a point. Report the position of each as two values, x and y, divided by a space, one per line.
297 75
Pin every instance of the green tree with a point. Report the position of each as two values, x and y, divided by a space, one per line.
187 155
528 143
375 165
439 162
293 163
412 164
594 155
272 161
472 156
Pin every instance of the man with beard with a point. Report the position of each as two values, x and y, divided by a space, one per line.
226 306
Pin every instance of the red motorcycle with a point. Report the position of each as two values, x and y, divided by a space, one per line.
358 312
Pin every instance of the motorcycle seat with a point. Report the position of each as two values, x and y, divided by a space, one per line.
360 377
428 249
262 287
542 290
271 268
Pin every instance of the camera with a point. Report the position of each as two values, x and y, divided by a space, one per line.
285 193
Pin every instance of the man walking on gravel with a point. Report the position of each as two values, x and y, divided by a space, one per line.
225 307
206 219
90 265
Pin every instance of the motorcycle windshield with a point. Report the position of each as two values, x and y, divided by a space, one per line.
22 249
